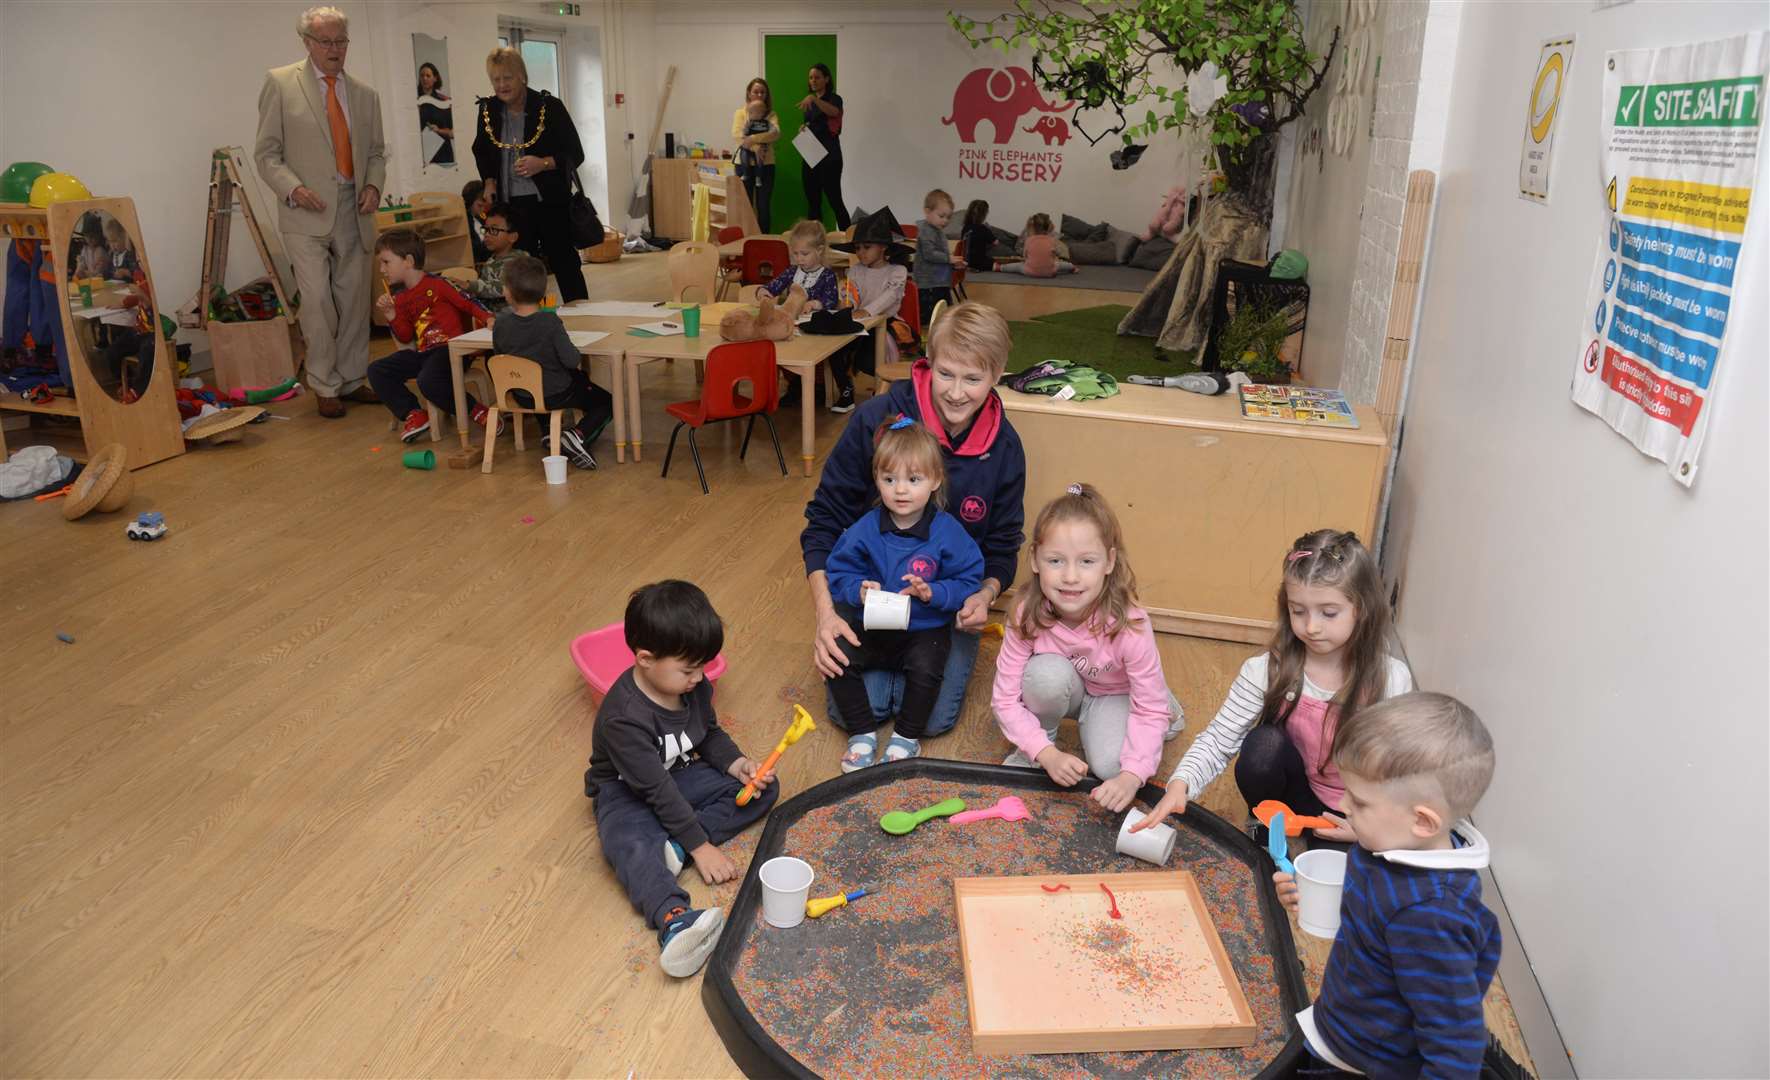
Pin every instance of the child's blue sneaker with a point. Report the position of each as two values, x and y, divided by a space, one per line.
900 748
687 939
674 857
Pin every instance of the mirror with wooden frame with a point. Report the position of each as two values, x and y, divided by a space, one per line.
116 325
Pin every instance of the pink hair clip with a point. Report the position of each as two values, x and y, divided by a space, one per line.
1295 555
1074 489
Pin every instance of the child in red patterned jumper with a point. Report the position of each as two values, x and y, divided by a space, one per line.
428 312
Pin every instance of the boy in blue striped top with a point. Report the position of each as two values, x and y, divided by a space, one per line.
1402 992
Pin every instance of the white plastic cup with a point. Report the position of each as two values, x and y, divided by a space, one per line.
1321 878
786 882
1152 845
555 466
885 611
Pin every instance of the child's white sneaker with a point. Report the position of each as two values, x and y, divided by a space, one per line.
687 939
674 857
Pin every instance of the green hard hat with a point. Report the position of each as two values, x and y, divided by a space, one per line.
1290 265
16 181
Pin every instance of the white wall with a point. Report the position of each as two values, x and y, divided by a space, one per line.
1608 625
897 67
193 75
1327 201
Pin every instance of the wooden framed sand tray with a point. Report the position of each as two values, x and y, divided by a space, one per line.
1095 962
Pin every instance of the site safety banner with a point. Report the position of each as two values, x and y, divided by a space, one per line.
1679 160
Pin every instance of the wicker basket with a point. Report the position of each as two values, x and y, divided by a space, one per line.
607 251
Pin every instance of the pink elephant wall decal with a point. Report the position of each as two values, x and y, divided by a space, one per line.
1001 96
1051 127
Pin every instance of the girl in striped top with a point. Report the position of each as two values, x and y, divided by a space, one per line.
1328 658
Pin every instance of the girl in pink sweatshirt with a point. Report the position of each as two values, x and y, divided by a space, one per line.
1079 646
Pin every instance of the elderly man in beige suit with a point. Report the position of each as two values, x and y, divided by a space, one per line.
320 149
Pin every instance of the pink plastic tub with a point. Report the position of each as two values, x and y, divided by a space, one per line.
602 655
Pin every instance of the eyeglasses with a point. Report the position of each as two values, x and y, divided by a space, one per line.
329 43
490 229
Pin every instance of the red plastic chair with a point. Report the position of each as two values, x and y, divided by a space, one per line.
729 366
909 231
728 234
764 260
910 311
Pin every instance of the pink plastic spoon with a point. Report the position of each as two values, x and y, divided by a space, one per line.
1009 808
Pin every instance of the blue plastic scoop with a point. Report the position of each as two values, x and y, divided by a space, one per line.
1276 844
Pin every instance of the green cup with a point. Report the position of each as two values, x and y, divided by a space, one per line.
420 459
691 321
85 294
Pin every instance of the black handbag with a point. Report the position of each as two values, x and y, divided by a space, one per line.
586 225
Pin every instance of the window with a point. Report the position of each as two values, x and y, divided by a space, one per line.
540 52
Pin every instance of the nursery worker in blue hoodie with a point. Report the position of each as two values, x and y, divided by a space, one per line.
953 394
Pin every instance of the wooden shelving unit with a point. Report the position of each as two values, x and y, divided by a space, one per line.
440 217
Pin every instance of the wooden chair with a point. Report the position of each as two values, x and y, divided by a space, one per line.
694 266
510 373
479 384
730 366
729 268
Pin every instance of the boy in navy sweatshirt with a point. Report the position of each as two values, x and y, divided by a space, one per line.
909 546
664 776
1402 992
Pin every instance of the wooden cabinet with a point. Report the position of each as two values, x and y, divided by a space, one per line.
1209 501
672 180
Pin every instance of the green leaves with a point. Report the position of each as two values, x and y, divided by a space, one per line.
1256 44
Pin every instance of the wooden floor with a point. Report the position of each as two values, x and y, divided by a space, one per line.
304 797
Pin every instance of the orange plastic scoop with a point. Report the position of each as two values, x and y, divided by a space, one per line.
1293 823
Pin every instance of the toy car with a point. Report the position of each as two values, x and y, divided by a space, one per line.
149 526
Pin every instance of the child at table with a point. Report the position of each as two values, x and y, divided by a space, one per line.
807 243
664 776
94 260
1328 659
1042 254
527 331
1078 645
935 261
500 242
124 261
1416 950
910 546
428 312
875 282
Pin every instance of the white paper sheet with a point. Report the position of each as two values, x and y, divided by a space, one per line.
809 148
616 309
580 338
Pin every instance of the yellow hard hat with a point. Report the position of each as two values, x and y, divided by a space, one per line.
57 187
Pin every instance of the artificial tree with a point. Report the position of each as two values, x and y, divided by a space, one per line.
1105 56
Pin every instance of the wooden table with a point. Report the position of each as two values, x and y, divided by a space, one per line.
609 349
1210 501
801 354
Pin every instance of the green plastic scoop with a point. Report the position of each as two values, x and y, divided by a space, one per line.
900 822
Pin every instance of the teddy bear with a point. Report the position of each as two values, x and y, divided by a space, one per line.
768 322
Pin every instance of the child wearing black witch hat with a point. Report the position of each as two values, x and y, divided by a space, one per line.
875 287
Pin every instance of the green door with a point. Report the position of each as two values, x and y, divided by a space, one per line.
786 59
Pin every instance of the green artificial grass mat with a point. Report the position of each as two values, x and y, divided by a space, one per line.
1090 336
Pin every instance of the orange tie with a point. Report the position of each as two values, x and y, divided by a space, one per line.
340 129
